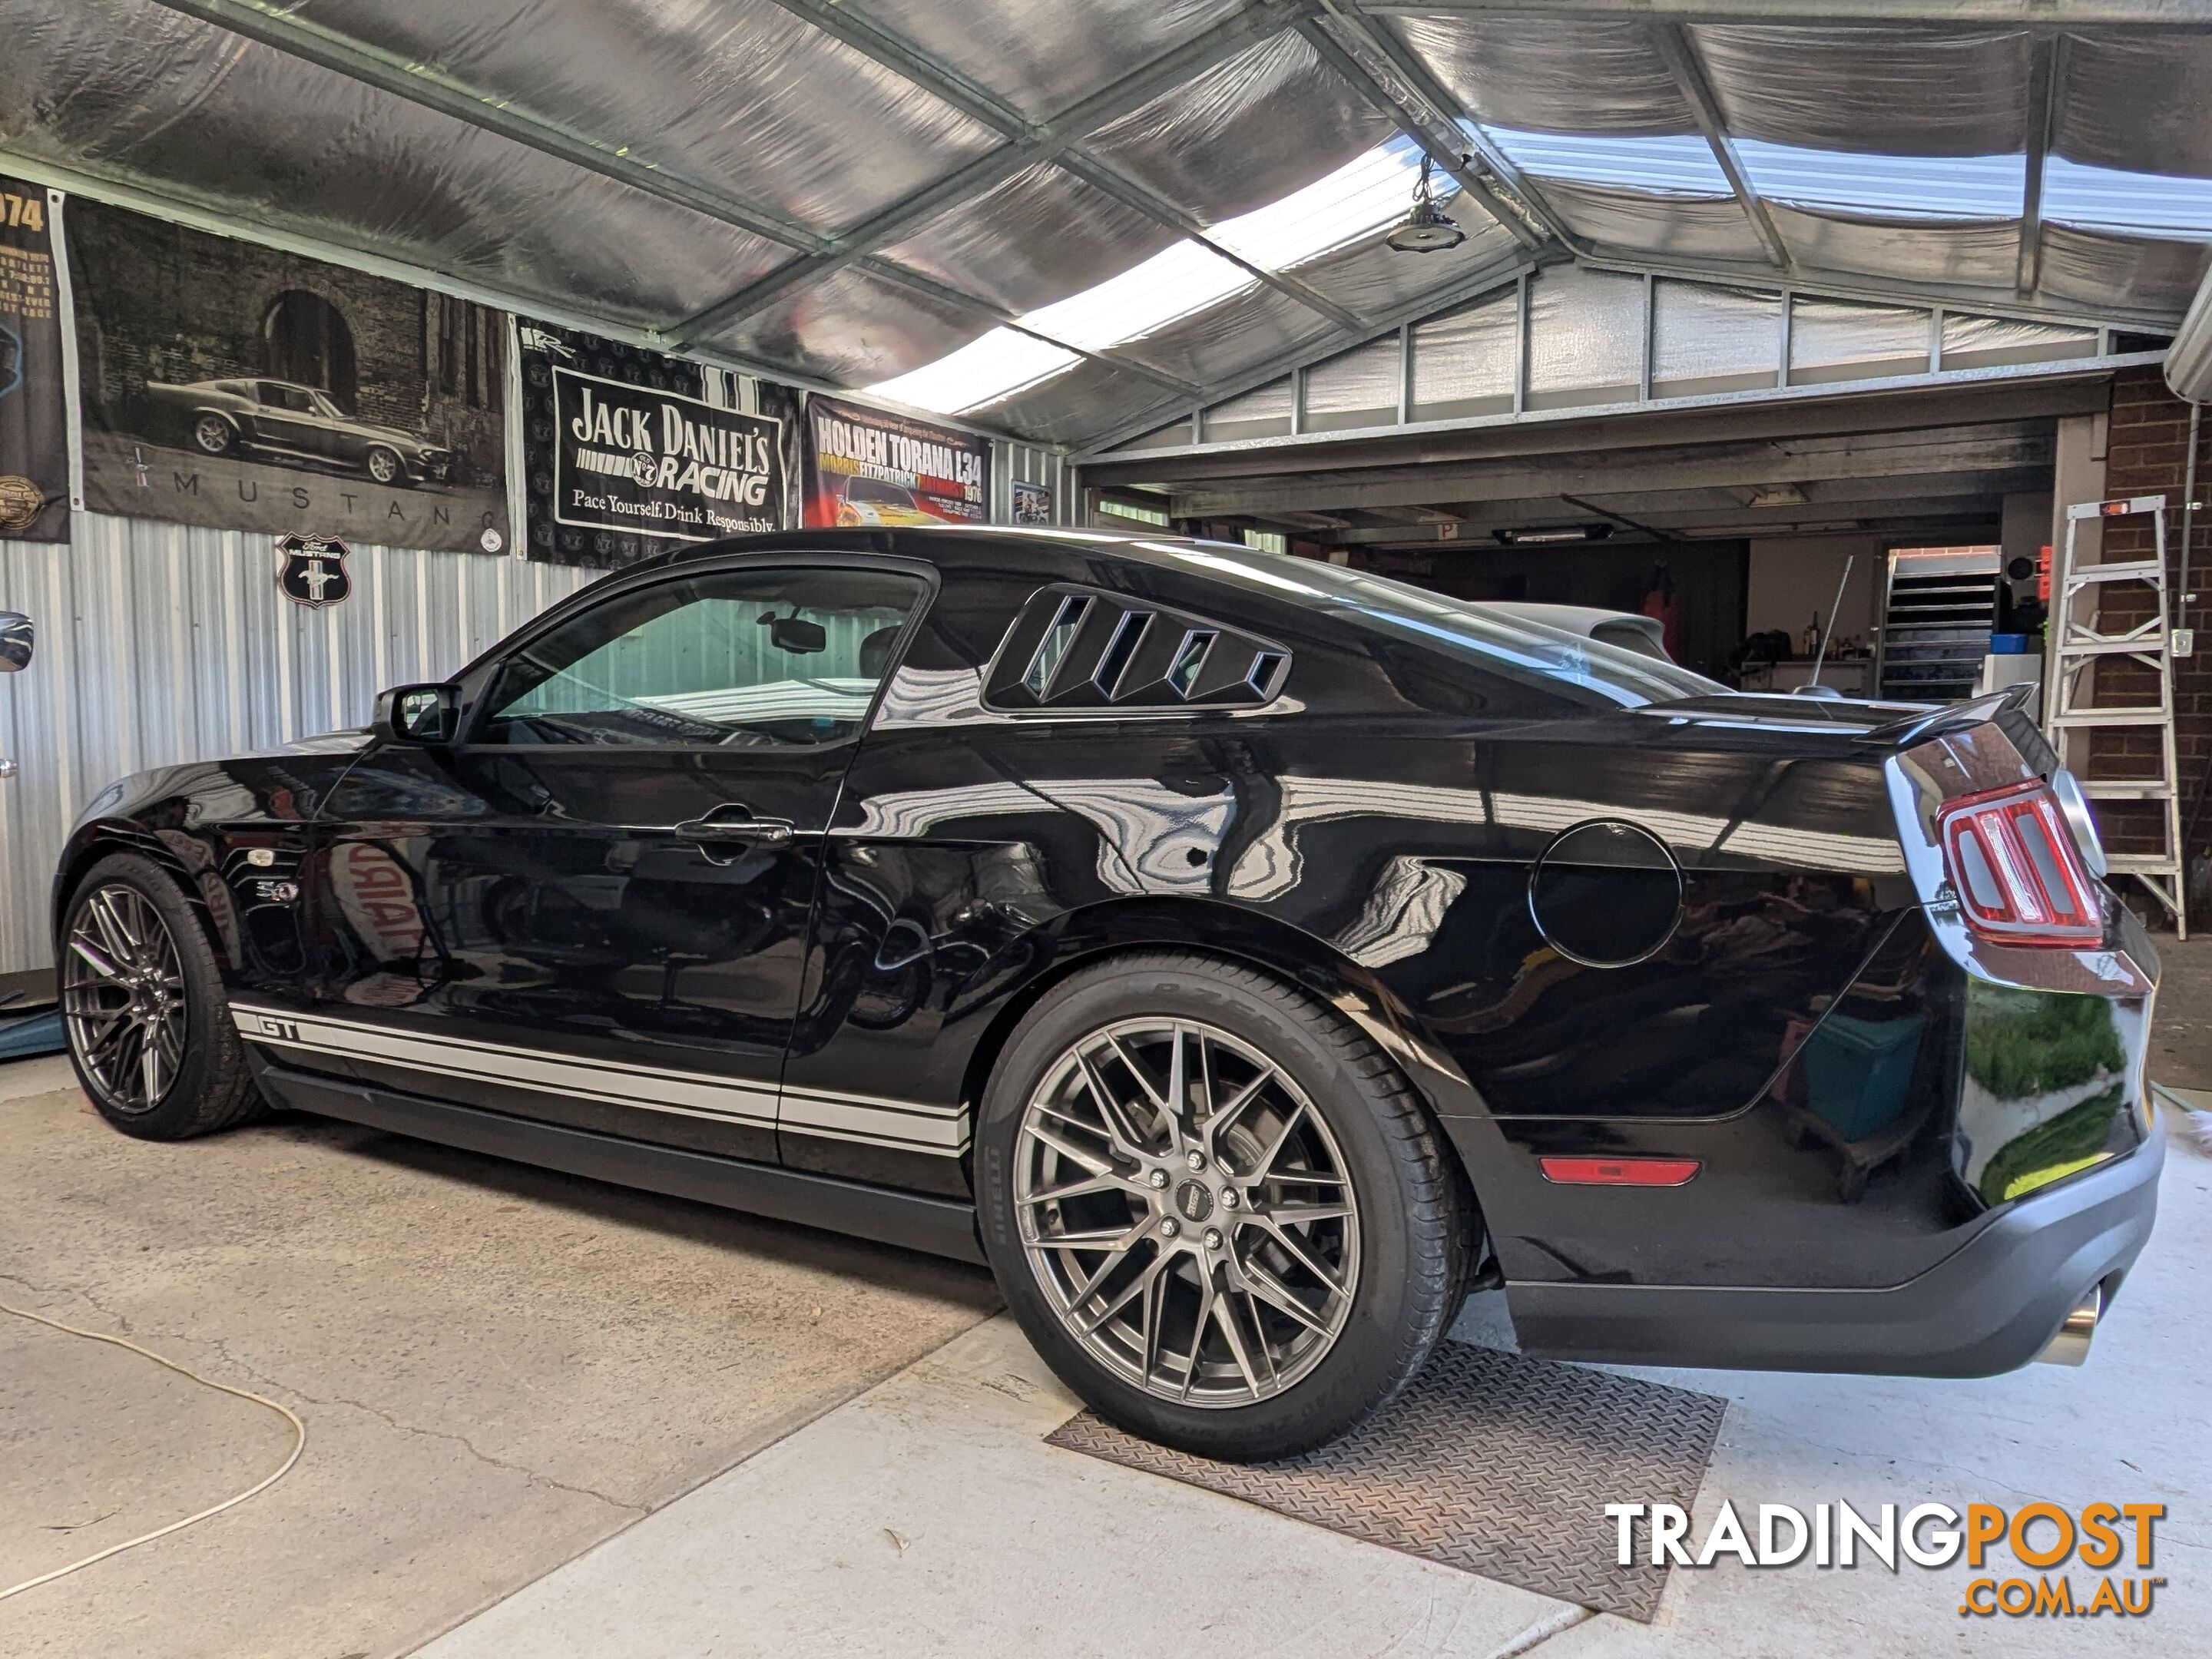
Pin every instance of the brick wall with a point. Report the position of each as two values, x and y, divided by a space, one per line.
2147 454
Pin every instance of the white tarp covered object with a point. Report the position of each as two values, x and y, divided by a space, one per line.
1057 216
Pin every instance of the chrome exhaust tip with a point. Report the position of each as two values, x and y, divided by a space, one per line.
2072 1345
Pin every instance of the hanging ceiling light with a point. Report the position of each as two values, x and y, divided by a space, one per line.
1426 229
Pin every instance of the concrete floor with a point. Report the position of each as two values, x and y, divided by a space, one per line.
928 1516
501 1369
497 1367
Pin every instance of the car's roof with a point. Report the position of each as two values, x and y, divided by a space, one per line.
1575 618
1352 598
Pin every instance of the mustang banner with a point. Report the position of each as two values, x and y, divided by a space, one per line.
230 385
627 453
34 406
868 466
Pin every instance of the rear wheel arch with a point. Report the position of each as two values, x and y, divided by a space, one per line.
1294 958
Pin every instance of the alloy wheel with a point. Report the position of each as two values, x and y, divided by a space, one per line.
123 997
381 466
1187 1212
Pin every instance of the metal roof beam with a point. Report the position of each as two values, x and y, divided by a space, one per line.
432 89
2046 67
1395 81
979 103
961 300
1682 59
1045 141
1499 273
298 36
2018 14
1604 472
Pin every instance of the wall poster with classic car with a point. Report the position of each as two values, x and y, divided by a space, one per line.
33 402
227 384
628 451
869 466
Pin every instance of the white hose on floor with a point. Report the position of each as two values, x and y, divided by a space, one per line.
299 1445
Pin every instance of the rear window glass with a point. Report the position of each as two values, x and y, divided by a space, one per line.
1603 674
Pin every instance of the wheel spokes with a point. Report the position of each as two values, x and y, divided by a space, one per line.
1181 1138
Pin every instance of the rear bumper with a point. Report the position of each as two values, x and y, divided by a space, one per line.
1991 1305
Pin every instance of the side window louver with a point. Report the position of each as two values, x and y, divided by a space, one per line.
1079 648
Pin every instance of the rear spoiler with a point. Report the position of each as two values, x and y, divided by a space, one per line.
1956 717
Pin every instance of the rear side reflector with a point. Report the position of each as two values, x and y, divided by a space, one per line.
1619 1171
2020 877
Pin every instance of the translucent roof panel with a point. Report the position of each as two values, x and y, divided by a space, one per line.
853 194
1355 201
1892 186
1680 164
992 366
2141 204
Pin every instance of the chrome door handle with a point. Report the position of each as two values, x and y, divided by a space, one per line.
758 832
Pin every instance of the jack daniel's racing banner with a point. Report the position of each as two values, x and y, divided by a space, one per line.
626 453
33 409
868 466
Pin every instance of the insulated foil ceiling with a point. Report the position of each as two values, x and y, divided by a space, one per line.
1056 216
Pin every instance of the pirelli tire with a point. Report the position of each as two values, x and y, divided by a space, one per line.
1218 1210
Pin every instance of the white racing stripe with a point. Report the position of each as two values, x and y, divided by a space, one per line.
902 1125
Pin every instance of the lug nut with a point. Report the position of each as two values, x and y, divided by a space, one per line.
1170 1228
1160 1178
1196 1160
1229 1199
1213 1238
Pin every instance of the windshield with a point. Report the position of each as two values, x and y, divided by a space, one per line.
1459 628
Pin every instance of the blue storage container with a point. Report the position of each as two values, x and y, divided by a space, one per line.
1858 1071
2008 645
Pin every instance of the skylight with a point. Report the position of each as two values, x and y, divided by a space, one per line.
1673 164
1348 205
1003 361
1172 284
2141 204
1357 200
1893 186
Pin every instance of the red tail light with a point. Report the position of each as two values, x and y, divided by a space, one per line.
1619 1171
2020 877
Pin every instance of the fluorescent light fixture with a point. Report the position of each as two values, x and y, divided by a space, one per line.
1547 535
1152 516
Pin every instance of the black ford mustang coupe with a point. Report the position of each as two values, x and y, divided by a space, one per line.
1244 957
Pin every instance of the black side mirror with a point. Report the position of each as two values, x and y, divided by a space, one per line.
795 634
14 641
417 714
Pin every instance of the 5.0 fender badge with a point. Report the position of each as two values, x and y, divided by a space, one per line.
310 570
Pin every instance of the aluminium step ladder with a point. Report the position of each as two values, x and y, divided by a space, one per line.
2079 641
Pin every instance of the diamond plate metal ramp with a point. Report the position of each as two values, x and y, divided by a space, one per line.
1489 1461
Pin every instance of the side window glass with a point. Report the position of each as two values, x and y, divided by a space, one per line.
1075 648
755 659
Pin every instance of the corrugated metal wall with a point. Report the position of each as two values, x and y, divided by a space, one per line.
161 642
1030 464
